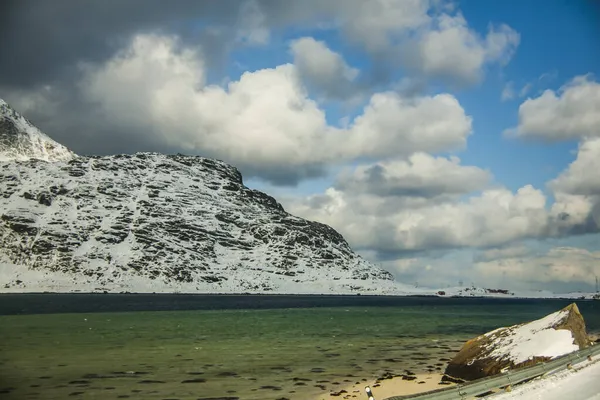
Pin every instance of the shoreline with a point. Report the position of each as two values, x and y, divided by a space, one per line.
50 303
425 293
389 387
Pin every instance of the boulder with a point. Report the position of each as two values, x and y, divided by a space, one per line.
519 346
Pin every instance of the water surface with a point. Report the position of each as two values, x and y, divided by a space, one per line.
253 347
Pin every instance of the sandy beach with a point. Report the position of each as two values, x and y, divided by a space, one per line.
385 388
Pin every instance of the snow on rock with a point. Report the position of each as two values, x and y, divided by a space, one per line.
156 223
20 140
519 346
537 338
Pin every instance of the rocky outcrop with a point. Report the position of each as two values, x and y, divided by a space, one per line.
21 140
519 346
154 223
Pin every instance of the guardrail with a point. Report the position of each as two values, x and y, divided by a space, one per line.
509 378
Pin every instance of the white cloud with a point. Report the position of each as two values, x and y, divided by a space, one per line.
523 267
501 42
392 125
581 177
264 122
577 191
452 51
322 68
563 264
421 175
377 24
429 37
508 92
569 113
386 219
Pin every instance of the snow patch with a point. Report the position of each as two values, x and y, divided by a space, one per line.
537 338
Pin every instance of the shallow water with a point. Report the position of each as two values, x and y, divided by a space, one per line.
292 353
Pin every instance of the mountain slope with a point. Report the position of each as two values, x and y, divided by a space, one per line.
20 140
155 223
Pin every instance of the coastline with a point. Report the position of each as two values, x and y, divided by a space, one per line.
396 386
43 303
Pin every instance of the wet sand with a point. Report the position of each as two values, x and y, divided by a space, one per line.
384 388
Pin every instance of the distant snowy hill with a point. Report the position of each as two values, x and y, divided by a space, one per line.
20 140
156 223
504 293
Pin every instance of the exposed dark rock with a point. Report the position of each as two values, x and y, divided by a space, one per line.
227 374
270 387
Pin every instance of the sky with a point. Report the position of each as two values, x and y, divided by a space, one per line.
448 141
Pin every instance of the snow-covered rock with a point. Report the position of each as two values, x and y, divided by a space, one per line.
520 345
155 223
20 140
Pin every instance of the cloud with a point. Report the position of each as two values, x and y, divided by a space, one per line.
265 122
392 125
567 114
577 192
421 175
380 207
450 50
559 264
494 254
252 25
324 69
427 203
527 266
378 24
578 178
42 44
548 76
525 89
428 37
508 92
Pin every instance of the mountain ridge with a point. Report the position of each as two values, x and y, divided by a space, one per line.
20 140
149 222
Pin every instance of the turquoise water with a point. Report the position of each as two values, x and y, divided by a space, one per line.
250 354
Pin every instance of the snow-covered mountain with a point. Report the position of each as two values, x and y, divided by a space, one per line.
155 223
21 140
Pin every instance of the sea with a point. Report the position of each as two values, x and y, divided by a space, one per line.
255 347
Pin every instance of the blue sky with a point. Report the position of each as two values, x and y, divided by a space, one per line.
557 43
445 140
